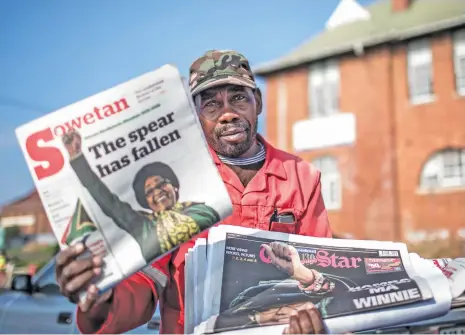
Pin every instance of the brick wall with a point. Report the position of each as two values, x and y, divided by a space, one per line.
29 205
422 130
380 172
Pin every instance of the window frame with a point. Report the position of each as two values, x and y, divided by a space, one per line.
433 176
458 41
324 89
419 54
331 186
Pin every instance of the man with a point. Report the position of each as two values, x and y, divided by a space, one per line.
270 190
164 223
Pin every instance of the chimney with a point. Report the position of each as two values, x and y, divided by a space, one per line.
400 5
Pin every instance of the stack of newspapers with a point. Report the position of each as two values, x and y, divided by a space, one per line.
241 280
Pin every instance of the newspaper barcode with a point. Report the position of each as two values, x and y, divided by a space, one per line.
388 253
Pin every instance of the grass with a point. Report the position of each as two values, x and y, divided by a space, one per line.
451 248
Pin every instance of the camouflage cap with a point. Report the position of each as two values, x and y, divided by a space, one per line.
220 67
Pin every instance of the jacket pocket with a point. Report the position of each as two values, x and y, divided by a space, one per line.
283 227
280 219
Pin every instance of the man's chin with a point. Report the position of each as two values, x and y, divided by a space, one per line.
233 150
234 146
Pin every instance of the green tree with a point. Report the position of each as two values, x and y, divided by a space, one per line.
12 232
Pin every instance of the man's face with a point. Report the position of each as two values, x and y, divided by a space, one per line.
229 116
159 193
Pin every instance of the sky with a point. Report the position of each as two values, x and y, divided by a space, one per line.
54 52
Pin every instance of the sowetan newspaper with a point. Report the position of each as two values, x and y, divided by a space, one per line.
126 171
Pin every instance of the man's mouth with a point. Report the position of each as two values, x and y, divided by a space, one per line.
233 134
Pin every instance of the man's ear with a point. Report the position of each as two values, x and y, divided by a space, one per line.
258 100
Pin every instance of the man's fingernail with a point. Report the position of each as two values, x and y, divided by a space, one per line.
97 261
97 271
79 247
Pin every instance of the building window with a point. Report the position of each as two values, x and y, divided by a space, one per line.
445 169
420 71
459 60
323 89
330 181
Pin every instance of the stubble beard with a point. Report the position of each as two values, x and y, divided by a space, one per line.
234 150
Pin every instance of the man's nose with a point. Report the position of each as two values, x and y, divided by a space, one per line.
228 114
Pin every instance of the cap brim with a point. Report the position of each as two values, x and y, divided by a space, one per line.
223 81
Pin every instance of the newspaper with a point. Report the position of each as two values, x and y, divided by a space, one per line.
126 171
454 271
256 279
189 289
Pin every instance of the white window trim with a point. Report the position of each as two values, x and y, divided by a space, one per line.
329 180
459 53
419 53
330 177
322 75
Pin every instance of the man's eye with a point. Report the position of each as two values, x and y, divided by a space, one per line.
239 97
209 104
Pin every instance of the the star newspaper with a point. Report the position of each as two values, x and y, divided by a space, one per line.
240 280
126 171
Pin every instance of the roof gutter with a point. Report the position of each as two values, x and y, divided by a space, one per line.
357 45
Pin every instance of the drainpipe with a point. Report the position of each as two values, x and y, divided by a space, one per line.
393 131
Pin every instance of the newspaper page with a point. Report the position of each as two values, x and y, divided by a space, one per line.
127 171
200 265
454 271
356 285
189 292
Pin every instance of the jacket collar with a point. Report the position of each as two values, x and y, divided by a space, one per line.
272 166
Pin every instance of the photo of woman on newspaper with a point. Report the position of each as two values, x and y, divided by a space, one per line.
274 301
165 224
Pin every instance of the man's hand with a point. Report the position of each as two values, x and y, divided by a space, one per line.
75 275
72 141
283 256
307 320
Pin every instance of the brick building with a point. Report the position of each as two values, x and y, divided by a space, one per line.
27 213
377 102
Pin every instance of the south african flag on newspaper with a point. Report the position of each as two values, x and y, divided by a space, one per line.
79 225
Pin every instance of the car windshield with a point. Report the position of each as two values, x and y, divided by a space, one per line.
46 275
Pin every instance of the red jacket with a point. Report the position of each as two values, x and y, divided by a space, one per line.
285 182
